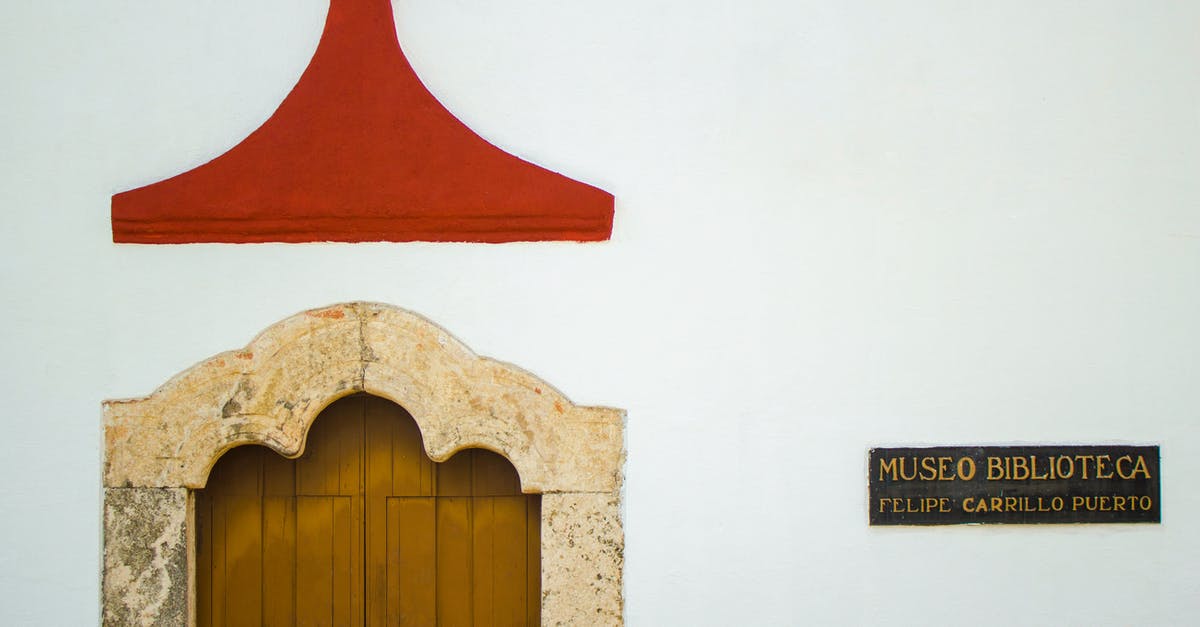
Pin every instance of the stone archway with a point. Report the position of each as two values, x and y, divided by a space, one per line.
161 447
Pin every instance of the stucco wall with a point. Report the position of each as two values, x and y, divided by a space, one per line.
838 225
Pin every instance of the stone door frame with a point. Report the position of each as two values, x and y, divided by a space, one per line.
160 448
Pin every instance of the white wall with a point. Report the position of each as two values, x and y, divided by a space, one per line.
839 225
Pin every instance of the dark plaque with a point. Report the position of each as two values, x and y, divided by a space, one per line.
950 485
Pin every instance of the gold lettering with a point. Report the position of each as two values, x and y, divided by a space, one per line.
997 504
1056 503
1069 472
1106 503
995 468
943 464
1010 503
1076 503
944 504
1083 460
1146 503
904 475
1120 472
886 465
1100 461
1118 503
966 504
964 474
1140 466
1033 470
1020 472
927 466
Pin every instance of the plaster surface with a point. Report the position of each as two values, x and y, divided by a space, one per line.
159 447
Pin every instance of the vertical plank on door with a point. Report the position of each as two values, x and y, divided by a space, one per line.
378 454
454 476
483 522
312 469
345 563
320 470
242 554
493 475
243 561
412 470
279 540
314 561
204 569
454 605
279 560
508 567
348 429
217 608
533 559
412 561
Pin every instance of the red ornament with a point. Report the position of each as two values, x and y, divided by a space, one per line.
360 151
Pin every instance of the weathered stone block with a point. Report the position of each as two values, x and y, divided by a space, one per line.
583 557
145 556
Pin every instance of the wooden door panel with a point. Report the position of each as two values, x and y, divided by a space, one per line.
364 529
454 561
411 561
228 547
210 559
279 560
204 564
396 461
332 460
509 559
242 557
324 573
453 477
480 581
533 562
492 475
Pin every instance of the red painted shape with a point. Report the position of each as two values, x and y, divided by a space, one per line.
361 151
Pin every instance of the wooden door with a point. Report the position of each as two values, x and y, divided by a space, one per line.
364 529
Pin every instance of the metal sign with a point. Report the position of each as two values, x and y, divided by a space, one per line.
949 485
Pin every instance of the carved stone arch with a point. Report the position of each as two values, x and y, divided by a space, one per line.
161 447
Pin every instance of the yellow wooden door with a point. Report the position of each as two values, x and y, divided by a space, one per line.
364 529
